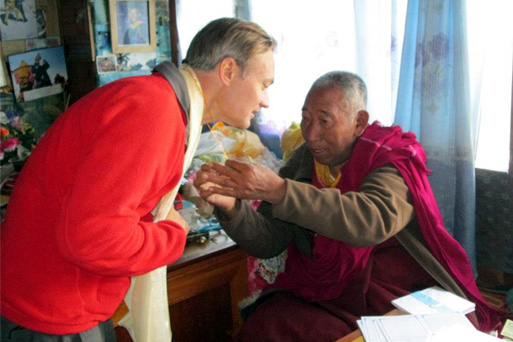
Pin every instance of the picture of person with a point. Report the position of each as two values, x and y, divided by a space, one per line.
23 76
34 72
39 69
106 64
18 20
14 10
136 33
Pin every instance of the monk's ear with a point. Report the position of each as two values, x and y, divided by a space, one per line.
361 122
227 70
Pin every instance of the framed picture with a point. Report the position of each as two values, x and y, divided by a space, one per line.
18 20
106 64
38 73
132 25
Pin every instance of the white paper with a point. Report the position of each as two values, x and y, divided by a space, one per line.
411 328
433 300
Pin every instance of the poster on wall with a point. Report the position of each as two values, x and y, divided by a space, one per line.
18 19
40 43
106 64
38 73
132 25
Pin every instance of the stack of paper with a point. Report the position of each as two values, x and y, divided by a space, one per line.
439 327
433 300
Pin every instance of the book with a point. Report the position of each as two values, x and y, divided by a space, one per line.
433 300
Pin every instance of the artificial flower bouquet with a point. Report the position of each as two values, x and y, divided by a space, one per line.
18 138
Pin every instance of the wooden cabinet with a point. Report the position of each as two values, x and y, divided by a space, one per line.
204 288
78 45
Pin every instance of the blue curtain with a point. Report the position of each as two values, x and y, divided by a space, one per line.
434 103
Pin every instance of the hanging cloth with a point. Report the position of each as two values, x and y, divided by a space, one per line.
148 317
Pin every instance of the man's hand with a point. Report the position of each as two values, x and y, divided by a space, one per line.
206 179
242 180
174 215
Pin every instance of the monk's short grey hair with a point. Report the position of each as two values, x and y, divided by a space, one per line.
227 37
355 90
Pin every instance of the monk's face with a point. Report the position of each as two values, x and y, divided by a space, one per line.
329 127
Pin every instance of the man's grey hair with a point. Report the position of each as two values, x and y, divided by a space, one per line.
355 90
227 37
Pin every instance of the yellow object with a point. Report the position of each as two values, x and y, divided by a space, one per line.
325 177
247 144
507 330
219 142
22 75
290 139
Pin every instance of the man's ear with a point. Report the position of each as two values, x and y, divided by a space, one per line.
362 120
227 70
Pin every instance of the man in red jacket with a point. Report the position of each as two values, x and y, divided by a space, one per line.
79 223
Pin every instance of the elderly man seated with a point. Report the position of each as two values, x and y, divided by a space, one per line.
354 208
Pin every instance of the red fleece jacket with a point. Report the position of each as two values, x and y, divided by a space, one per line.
79 221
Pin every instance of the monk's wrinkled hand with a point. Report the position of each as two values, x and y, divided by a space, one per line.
247 181
208 179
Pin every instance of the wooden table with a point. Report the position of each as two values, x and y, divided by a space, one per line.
204 288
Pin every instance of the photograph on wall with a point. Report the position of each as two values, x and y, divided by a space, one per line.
136 61
103 43
41 23
132 25
18 19
38 73
106 64
41 43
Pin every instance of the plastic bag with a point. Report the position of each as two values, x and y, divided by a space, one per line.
290 139
247 143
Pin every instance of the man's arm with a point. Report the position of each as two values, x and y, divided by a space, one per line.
380 209
258 233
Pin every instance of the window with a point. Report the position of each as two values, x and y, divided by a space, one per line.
490 38
316 37
193 15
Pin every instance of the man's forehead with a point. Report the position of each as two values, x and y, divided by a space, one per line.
261 61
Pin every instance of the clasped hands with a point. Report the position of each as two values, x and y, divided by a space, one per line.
221 185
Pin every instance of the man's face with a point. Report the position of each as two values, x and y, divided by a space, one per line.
327 126
133 14
244 97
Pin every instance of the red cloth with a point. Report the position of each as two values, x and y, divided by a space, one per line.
327 274
79 221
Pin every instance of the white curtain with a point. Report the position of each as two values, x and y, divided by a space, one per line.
314 37
490 32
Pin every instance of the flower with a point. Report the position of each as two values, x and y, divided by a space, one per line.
18 137
439 46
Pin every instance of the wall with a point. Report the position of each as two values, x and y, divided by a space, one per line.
41 112
83 28
130 63
86 35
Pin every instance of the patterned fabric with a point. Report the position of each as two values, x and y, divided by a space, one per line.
262 272
494 219
433 102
